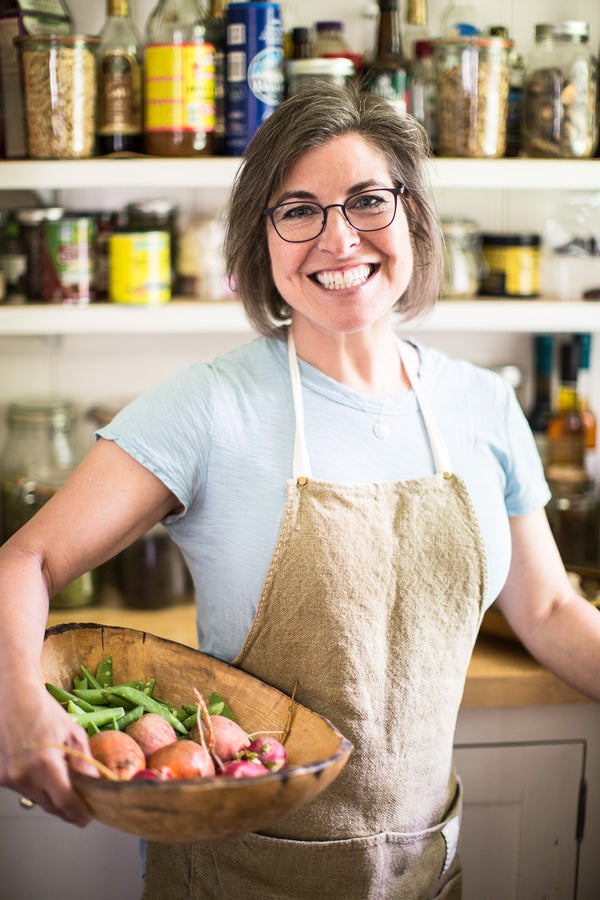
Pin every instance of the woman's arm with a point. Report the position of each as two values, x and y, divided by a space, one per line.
107 503
560 628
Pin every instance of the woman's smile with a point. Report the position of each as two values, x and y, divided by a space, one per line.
342 279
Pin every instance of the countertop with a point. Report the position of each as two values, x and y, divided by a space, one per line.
501 672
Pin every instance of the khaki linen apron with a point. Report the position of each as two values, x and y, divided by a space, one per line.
372 603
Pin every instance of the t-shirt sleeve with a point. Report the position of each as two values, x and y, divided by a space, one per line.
168 430
526 487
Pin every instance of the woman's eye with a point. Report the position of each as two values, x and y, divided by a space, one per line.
299 211
367 202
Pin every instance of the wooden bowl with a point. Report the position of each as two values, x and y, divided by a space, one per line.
204 809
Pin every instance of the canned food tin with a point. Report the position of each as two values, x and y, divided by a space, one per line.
335 70
140 267
254 79
69 260
513 262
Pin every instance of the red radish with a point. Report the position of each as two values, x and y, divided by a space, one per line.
151 775
228 738
270 752
242 768
119 752
182 759
151 731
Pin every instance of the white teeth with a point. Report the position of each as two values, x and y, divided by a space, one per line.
335 281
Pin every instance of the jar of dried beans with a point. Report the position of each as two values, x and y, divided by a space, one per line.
472 81
559 100
59 86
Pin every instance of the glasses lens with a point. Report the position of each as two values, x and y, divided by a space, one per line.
371 210
299 221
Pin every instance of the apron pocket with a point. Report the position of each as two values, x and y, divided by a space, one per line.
391 865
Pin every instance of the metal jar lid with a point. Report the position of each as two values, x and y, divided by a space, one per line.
53 411
571 30
331 66
41 214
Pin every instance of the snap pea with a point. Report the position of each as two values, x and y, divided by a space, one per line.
92 695
132 716
65 697
104 673
92 680
98 717
139 698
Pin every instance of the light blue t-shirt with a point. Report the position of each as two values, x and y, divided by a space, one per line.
220 435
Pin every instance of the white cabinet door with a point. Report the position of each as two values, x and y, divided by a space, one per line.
521 805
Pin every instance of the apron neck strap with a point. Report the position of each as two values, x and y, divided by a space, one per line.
301 465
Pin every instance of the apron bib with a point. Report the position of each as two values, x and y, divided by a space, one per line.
372 603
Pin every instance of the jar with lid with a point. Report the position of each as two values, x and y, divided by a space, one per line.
156 215
559 96
31 222
464 264
39 455
329 40
472 83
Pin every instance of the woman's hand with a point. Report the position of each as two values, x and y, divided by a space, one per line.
30 763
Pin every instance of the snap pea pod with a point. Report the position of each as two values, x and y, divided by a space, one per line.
136 713
65 697
91 695
98 717
104 673
92 680
139 698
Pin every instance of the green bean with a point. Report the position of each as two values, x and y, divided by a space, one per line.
65 697
104 674
150 704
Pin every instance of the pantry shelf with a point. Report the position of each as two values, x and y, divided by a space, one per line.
191 317
219 172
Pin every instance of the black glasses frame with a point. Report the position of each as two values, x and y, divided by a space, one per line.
272 209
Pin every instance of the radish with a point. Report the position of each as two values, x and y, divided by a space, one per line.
228 738
152 775
268 751
182 759
151 731
242 768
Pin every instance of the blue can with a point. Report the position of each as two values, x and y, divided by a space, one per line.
255 77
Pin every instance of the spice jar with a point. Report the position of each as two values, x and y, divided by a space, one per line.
60 87
38 457
513 265
472 82
559 98
464 264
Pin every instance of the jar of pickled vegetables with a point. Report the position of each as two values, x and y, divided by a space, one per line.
37 458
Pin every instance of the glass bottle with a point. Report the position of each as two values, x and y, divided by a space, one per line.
179 81
422 82
38 457
415 28
565 467
587 414
301 43
119 62
539 415
459 20
463 260
559 98
216 34
387 77
329 40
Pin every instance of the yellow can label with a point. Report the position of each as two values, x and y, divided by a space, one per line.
518 269
179 87
140 268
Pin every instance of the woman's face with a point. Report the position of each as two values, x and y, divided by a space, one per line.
344 280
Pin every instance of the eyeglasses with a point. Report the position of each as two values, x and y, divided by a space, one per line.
304 220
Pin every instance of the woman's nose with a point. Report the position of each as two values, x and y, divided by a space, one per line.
338 233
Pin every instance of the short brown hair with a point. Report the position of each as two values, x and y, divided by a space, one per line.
308 119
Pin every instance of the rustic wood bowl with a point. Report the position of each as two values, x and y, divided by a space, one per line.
206 809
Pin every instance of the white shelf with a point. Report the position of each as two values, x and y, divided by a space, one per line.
219 172
190 317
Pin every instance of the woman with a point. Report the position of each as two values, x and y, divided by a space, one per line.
348 504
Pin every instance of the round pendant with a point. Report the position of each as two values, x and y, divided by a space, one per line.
380 430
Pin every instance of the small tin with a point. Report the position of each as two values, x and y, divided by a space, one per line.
140 267
513 265
69 260
255 77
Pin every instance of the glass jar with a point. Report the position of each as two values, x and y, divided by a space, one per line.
472 84
31 222
559 98
329 40
60 88
574 518
38 457
157 215
464 264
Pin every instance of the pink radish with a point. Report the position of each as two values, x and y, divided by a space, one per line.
152 775
151 731
182 759
268 751
242 768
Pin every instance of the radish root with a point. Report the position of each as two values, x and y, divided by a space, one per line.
209 744
78 754
288 726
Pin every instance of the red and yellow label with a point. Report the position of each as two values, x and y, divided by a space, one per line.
179 83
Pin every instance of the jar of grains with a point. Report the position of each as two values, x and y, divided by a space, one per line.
472 80
59 86
464 264
559 99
